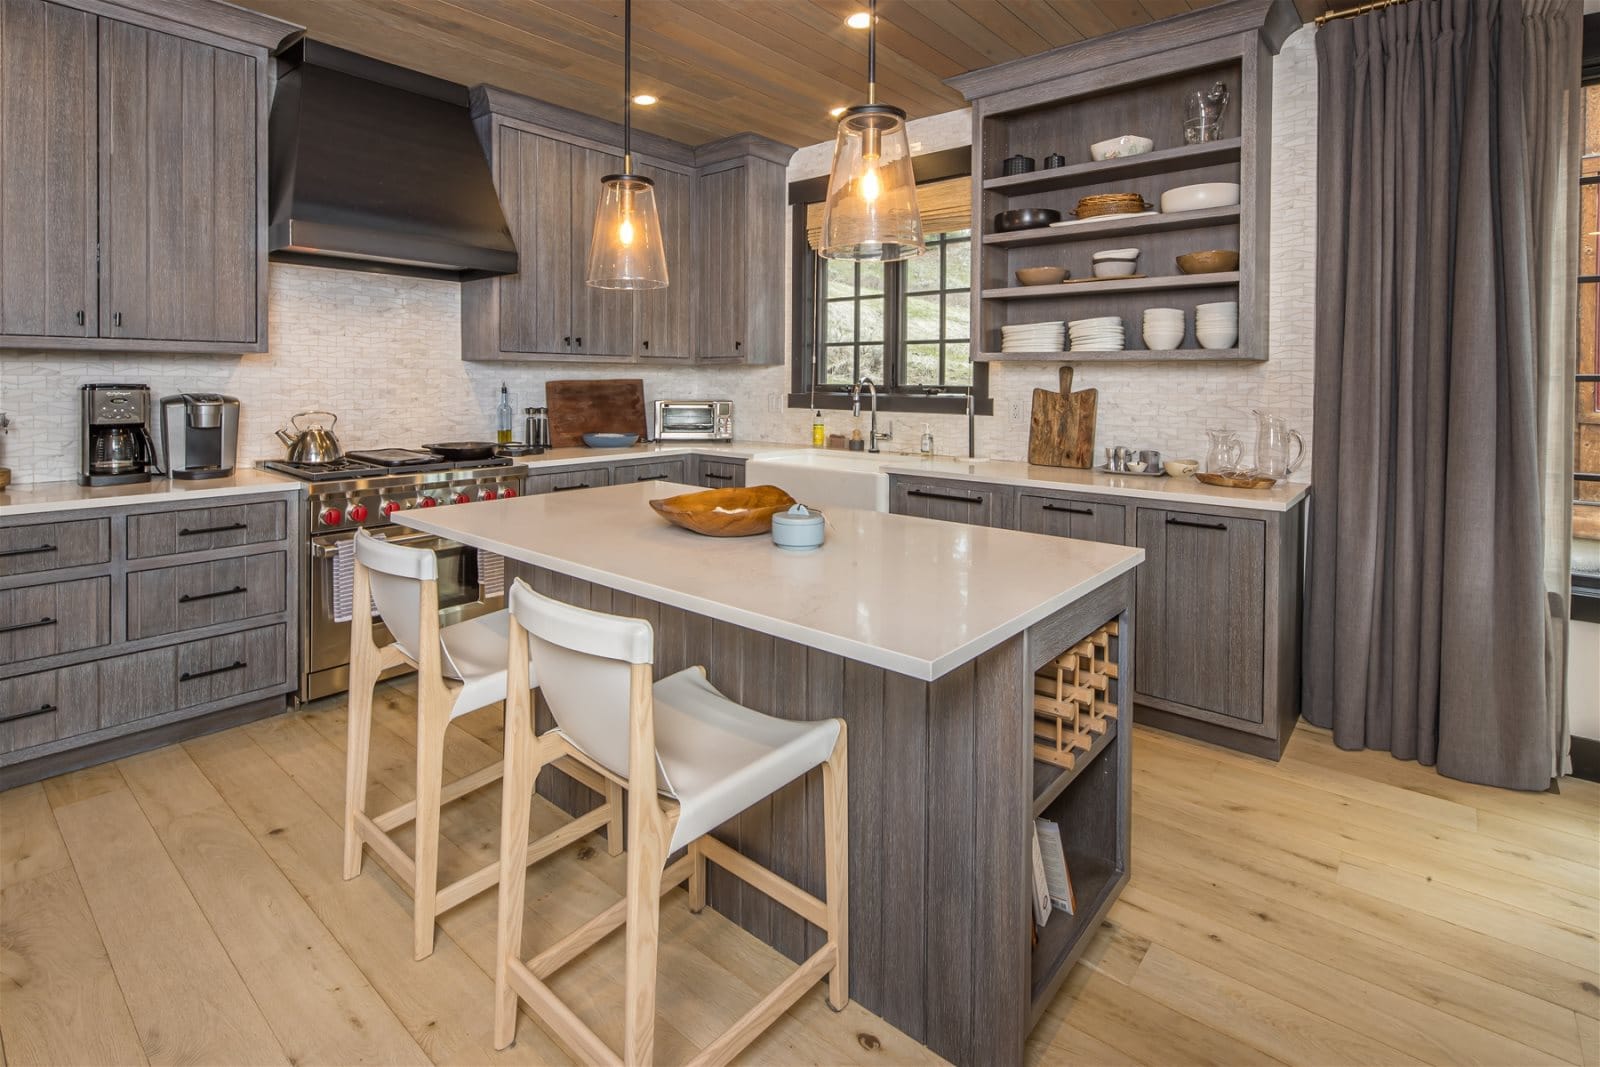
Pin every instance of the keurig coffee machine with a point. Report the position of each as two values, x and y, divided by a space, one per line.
199 434
116 447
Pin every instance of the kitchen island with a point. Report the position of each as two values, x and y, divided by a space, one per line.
925 637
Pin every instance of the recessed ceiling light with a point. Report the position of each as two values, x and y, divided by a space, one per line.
859 21
835 112
644 100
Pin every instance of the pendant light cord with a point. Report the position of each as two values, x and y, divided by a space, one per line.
627 86
872 50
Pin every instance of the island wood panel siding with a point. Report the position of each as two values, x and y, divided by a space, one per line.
47 170
941 789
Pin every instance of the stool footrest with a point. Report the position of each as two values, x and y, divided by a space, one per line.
386 852
471 783
768 1008
594 931
571 1032
753 874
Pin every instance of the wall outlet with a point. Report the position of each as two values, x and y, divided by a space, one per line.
1016 411
772 403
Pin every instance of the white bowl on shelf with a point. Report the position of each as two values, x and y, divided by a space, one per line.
1199 197
1217 337
1115 253
1129 144
1161 340
1115 268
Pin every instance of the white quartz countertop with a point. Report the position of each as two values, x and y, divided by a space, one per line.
915 596
70 496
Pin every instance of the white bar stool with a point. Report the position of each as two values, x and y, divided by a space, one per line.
460 669
691 759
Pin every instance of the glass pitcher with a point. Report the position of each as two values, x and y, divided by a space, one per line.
1274 438
1225 452
1203 110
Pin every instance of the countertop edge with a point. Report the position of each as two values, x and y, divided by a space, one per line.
247 482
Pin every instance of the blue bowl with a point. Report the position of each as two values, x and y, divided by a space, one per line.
610 440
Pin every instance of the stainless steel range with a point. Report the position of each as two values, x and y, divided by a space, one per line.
364 491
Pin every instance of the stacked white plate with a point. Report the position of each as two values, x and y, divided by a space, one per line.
1034 337
1217 325
1163 329
1096 335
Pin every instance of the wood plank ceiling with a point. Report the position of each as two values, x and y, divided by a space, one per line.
773 67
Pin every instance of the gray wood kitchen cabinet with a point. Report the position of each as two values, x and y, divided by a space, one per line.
717 473
1063 515
602 319
666 316
133 164
665 470
533 175
952 500
566 480
739 208
129 632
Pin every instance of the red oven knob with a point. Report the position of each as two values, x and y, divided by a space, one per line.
507 493
488 494
357 513
331 516
460 498
389 507
427 502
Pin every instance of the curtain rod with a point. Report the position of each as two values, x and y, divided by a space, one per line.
1352 12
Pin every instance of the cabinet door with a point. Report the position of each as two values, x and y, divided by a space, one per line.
977 505
1201 611
47 170
665 314
721 473
602 319
534 177
564 481
1067 516
667 470
721 259
179 129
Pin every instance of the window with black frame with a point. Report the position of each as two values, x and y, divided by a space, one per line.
905 325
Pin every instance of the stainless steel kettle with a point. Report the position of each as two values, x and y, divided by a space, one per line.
314 443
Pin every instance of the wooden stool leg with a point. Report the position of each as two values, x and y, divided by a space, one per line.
618 813
516 794
697 879
646 858
836 851
432 721
357 746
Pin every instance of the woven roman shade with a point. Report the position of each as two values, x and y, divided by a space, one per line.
944 205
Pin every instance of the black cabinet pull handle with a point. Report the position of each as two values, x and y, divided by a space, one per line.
567 341
713 476
646 345
738 345
78 318
578 341
1069 511
42 709
1198 525
190 598
566 488
654 478
116 318
214 529
236 665
944 496
32 550
14 627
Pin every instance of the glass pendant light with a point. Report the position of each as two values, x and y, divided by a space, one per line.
871 211
625 249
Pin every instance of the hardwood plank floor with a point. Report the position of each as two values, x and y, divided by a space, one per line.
1338 907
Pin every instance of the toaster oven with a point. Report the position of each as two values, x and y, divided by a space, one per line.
694 420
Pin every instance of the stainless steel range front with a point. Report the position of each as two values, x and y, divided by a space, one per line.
361 494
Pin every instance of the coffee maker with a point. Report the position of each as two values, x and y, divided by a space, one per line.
116 445
199 434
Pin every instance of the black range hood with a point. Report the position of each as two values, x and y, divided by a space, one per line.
375 167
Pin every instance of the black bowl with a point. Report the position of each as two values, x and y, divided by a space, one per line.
1027 218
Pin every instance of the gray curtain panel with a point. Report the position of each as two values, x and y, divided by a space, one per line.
1428 621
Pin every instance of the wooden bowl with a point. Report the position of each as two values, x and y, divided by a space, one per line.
726 512
1041 275
1210 262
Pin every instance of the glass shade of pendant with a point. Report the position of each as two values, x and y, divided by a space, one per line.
871 209
625 250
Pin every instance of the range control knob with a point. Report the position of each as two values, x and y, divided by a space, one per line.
459 498
507 493
357 513
488 494
389 507
427 502
331 516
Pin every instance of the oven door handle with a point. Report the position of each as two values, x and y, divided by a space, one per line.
321 550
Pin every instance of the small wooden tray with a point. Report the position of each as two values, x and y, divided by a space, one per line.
1236 481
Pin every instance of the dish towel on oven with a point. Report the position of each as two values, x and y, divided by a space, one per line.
344 579
491 574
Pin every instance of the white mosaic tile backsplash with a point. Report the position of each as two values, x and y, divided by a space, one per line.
385 353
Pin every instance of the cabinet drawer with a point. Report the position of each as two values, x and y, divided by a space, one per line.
562 481
45 620
970 502
665 471
167 533
49 705
1066 516
191 674
48 545
721 474
192 595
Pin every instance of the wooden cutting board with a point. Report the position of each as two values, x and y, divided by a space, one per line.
1061 431
605 405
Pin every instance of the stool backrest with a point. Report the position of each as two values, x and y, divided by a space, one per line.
584 662
396 574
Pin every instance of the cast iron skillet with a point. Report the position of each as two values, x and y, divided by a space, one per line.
462 449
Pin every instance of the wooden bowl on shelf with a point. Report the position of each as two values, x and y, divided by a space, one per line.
1041 275
1209 262
739 512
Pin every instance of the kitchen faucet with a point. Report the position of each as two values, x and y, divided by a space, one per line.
873 436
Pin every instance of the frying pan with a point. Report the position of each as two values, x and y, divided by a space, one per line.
462 449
